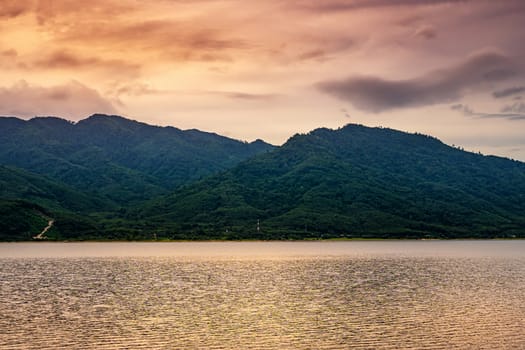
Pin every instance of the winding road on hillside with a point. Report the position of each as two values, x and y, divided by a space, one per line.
41 234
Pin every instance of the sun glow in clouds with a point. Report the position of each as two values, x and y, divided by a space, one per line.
270 69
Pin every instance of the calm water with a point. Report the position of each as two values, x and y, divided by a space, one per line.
289 295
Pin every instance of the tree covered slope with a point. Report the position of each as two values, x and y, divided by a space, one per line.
20 220
354 182
107 177
120 159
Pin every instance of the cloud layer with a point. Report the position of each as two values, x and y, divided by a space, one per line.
248 67
375 94
508 92
515 112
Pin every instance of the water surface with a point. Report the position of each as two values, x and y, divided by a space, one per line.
263 295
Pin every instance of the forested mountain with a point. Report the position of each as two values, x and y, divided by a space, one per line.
120 159
19 184
107 177
27 198
88 173
354 182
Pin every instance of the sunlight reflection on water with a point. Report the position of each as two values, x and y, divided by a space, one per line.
263 295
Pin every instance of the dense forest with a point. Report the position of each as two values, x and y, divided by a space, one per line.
108 177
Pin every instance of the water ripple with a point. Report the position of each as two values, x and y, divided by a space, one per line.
296 303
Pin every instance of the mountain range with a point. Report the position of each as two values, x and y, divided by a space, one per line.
107 177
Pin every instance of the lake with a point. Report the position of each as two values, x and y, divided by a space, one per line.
263 295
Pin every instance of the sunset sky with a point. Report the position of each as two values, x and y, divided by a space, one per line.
269 69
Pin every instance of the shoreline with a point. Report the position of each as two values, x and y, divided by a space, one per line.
205 250
269 240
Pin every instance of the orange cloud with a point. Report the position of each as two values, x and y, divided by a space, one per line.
68 60
52 10
176 60
348 5
14 8
170 39
9 53
245 96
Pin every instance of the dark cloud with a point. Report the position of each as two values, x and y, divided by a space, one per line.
14 8
170 39
118 89
499 9
509 116
345 112
136 89
342 5
48 11
141 89
68 60
209 40
325 47
72 100
64 59
9 53
315 54
188 54
466 110
500 74
150 33
426 32
339 43
518 107
246 96
409 20
508 92
375 94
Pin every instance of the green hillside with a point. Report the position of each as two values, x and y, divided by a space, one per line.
354 182
120 159
28 198
87 175
20 221
107 177
20 184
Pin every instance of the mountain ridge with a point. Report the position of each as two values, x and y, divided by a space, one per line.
140 181
105 152
360 175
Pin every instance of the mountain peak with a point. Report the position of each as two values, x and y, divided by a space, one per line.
48 119
108 118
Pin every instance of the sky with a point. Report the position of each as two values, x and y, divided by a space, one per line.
270 69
